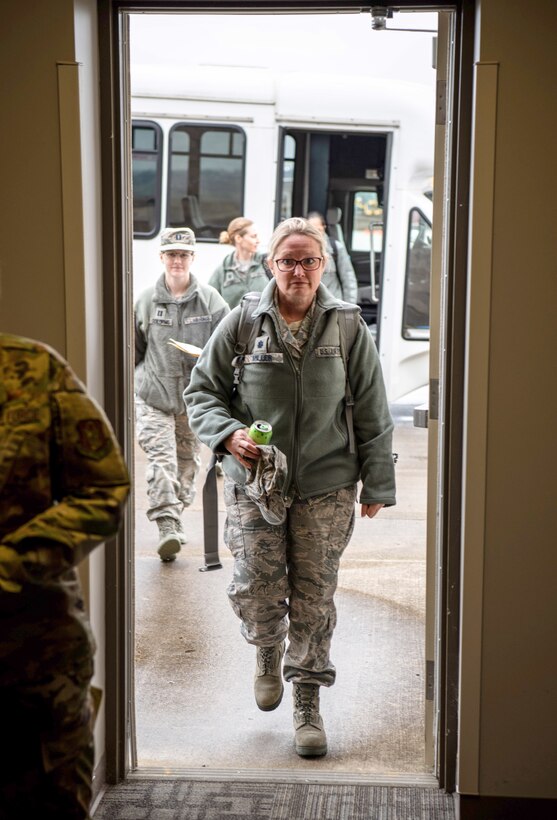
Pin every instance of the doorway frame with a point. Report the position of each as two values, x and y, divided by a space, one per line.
116 251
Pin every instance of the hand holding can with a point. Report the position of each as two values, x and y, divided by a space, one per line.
260 432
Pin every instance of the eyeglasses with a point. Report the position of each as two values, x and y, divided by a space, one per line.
289 265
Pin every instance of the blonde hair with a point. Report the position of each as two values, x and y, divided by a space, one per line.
296 224
237 227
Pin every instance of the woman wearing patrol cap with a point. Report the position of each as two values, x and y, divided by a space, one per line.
295 376
176 307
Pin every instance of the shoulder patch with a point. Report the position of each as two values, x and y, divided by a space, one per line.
92 439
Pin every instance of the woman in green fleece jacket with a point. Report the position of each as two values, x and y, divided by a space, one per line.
177 308
293 376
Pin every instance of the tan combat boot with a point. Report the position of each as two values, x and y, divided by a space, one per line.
181 533
267 685
169 544
310 737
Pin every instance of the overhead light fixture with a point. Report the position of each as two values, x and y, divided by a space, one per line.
380 15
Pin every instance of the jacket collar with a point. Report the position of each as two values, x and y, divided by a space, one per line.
162 294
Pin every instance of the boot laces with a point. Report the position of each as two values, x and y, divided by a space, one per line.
305 701
266 658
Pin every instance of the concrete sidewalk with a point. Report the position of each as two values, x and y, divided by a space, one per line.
194 671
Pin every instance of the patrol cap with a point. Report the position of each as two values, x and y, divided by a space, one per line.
177 239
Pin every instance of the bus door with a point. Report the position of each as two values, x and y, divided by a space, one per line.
404 321
341 175
392 261
357 216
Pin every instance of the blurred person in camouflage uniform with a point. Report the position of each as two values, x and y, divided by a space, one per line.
63 489
243 269
339 276
293 376
181 308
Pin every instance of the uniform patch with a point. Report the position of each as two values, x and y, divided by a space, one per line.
261 344
18 414
93 441
160 316
194 320
255 358
327 352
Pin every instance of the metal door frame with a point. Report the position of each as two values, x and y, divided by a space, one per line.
119 392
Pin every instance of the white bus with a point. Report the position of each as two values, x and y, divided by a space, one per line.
210 143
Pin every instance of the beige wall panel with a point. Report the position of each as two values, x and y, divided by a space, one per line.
50 225
518 751
34 38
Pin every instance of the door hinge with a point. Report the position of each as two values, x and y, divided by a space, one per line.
441 103
434 399
429 679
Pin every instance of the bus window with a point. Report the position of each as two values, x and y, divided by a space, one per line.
206 178
288 167
415 321
367 211
146 173
178 176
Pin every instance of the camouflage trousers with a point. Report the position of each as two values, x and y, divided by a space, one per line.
173 454
285 576
46 749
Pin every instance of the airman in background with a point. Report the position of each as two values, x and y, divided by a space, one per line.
177 308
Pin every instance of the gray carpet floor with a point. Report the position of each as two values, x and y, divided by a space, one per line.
197 800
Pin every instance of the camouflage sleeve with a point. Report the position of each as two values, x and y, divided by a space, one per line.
90 485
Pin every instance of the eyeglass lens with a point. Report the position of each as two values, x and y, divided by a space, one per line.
308 264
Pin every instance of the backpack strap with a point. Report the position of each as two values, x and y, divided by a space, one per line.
248 327
348 321
211 519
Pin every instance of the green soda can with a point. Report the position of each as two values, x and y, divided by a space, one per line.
260 432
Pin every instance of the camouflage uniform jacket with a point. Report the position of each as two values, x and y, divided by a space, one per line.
159 316
231 283
302 398
63 486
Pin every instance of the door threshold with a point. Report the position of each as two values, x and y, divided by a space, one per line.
426 781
